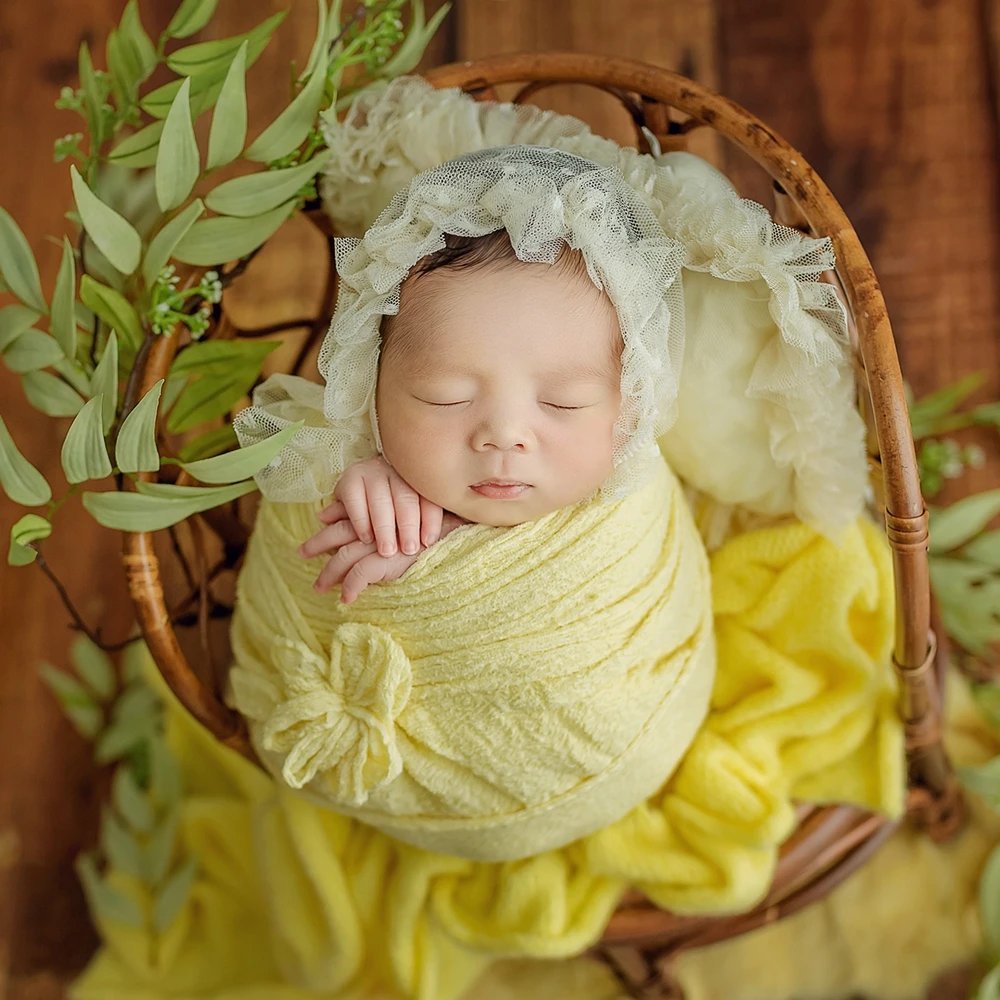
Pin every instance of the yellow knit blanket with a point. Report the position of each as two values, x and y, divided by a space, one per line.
294 901
517 689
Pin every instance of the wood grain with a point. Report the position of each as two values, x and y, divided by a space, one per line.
893 103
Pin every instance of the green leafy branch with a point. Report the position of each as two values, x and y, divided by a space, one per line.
118 288
139 875
964 557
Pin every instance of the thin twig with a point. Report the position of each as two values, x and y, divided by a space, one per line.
266 331
78 623
179 552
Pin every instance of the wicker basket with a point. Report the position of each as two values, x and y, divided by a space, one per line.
829 842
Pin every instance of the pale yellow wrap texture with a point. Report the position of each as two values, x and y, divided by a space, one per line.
515 690
295 901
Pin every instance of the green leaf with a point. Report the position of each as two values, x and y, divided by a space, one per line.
218 240
51 395
123 64
111 233
190 17
120 846
120 739
244 462
927 411
172 390
983 779
93 99
74 373
31 351
229 121
105 382
989 988
151 511
210 443
63 324
17 263
113 308
989 903
209 397
30 528
130 801
320 42
136 449
212 59
160 850
84 454
140 148
177 162
164 773
987 697
260 192
14 320
205 91
105 901
134 662
419 35
94 667
171 899
21 481
968 596
76 701
134 34
138 702
957 524
163 243
985 549
987 413
290 128
219 357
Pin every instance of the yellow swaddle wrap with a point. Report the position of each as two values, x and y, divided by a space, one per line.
515 690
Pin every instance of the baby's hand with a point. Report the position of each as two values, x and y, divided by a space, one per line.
356 563
378 501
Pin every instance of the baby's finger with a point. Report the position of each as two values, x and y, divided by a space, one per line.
338 567
431 518
407 503
355 501
327 539
370 569
335 512
383 513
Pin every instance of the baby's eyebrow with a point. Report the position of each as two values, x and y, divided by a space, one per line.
554 379
578 373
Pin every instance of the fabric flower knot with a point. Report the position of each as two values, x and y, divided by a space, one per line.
337 716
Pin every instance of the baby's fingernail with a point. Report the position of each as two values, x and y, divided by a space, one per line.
410 548
368 538
387 549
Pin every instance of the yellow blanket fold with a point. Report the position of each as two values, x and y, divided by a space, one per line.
330 907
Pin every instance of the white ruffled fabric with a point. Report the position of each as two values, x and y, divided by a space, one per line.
765 414
545 199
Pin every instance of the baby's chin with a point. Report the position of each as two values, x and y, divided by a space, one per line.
507 513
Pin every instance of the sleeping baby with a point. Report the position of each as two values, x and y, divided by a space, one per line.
503 355
498 391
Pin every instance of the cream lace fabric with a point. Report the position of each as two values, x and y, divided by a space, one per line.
762 414
545 199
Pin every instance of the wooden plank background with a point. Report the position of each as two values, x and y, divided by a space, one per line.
894 103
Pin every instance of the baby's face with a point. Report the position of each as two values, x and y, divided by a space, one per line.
504 374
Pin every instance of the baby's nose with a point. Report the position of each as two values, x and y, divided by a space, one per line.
502 435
